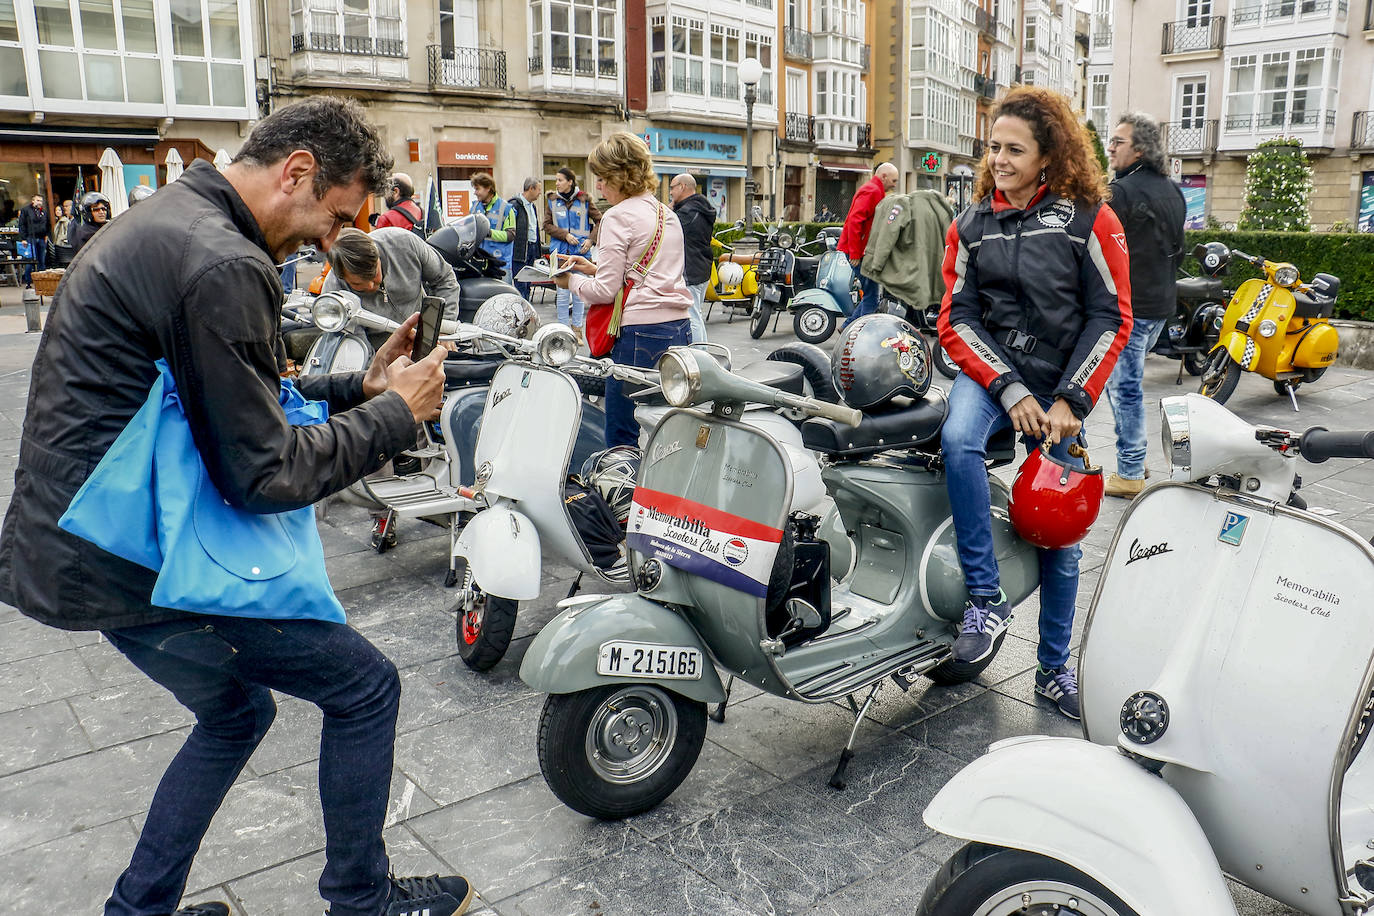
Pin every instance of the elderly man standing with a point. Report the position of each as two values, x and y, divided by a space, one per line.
1151 210
698 218
524 223
857 225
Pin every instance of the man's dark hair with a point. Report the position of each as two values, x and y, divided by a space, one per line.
336 131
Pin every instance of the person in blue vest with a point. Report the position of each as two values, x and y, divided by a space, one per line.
496 210
570 223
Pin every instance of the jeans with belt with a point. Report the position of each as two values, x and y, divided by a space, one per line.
224 669
973 417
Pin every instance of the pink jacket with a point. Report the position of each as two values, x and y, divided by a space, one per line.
625 232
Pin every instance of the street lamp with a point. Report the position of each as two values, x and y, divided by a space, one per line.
750 72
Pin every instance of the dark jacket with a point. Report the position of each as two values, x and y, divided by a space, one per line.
1056 271
698 218
33 223
524 251
80 233
1151 209
185 276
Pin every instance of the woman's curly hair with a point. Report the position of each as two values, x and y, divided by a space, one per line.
1073 170
623 162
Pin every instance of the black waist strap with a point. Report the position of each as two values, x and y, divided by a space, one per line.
1020 340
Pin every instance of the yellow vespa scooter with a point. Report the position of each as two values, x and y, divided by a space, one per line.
1279 327
734 281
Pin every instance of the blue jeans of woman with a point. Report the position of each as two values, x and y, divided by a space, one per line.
973 417
1125 390
638 345
224 670
572 311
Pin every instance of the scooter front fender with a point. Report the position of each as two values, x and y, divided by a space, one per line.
815 297
1234 343
562 658
501 547
1088 806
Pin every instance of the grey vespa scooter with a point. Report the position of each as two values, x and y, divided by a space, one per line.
728 578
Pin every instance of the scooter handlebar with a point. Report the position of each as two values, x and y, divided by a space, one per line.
1319 444
837 412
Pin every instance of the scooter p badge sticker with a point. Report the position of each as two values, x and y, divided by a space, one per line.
703 540
1233 529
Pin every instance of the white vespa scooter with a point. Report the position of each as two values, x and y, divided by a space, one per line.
1227 687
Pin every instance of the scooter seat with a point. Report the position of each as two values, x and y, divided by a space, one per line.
775 374
1322 302
906 426
1199 288
468 371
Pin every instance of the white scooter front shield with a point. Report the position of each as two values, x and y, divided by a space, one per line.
1088 806
501 547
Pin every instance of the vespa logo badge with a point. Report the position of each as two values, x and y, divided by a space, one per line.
1138 552
1233 529
499 397
663 450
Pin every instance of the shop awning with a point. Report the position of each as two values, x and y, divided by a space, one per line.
846 167
699 168
36 133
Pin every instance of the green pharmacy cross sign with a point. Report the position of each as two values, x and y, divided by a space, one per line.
931 162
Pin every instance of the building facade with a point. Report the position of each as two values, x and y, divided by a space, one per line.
141 77
1222 78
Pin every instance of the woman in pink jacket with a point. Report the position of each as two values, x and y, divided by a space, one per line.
638 231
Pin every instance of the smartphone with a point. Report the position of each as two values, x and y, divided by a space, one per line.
427 331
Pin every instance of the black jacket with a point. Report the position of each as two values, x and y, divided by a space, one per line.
1037 301
524 251
1152 210
80 233
33 223
698 218
185 276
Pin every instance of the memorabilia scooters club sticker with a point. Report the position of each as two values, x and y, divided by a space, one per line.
1233 529
703 540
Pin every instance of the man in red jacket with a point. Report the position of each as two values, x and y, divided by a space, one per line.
402 212
858 223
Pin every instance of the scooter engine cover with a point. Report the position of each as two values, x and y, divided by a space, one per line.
942 577
1318 348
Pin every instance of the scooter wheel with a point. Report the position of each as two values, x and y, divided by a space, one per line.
814 325
943 364
998 881
484 631
619 750
1194 363
758 322
1220 376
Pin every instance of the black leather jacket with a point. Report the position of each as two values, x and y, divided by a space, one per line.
186 277
698 218
1152 210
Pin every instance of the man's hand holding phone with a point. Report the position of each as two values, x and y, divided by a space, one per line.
400 343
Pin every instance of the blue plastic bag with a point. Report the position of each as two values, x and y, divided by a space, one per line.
151 501
23 249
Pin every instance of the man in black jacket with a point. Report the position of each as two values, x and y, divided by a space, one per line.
33 228
1151 210
525 239
698 218
211 309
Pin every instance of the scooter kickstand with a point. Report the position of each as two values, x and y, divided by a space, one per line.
576 586
1292 395
718 714
837 780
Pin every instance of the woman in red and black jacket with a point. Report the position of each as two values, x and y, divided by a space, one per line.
1037 307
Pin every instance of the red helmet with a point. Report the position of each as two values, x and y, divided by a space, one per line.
1053 503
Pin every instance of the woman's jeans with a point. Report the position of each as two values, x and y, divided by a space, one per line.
973 417
223 669
638 345
572 310
1126 392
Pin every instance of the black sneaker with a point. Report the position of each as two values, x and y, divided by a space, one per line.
982 625
1060 685
429 896
204 909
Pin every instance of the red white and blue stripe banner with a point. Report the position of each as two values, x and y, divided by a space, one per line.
703 540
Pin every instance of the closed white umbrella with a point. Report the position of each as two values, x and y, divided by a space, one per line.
221 160
174 165
112 182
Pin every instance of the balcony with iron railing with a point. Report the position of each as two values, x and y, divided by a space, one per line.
1269 122
467 68
347 44
1191 138
1362 130
985 86
1102 38
724 89
1253 13
797 44
1186 36
799 128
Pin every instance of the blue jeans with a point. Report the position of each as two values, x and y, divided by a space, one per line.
223 669
572 311
698 291
288 274
1127 395
868 304
638 345
973 417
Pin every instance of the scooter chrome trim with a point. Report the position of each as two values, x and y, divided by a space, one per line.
1086 805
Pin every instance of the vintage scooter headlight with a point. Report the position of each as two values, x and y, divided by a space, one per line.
1286 275
331 311
679 376
555 344
1178 444
786 240
1268 328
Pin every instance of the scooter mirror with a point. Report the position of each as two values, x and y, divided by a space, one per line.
331 311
